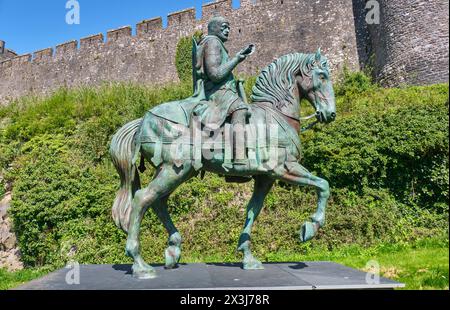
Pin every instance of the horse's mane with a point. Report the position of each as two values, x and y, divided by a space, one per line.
276 82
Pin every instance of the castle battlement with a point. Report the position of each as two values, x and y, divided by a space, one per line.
152 28
5 53
185 17
145 53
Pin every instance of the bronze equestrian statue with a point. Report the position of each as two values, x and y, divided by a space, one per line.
215 130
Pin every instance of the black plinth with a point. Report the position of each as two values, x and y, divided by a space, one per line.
212 276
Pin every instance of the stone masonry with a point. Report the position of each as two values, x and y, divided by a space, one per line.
5 53
411 42
9 252
410 45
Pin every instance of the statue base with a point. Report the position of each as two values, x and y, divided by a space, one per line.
213 276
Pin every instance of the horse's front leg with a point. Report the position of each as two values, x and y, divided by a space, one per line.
298 175
263 184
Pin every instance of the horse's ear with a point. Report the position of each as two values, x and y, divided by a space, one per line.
318 55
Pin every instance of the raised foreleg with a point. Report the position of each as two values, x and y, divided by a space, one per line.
298 175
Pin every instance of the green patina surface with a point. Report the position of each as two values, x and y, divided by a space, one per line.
215 130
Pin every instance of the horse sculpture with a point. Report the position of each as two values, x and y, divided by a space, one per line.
169 137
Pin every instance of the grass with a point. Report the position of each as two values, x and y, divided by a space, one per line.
10 280
423 265
74 211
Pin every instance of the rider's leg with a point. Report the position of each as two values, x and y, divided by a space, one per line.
238 121
239 134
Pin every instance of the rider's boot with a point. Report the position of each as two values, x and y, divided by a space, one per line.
238 121
238 124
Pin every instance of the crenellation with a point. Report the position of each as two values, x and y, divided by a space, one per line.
92 41
181 18
248 3
220 7
42 55
150 27
67 48
119 33
5 64
20 60
402 49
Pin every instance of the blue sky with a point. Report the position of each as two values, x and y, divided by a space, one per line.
31 25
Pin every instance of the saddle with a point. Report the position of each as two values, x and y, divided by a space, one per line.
258 142
178 112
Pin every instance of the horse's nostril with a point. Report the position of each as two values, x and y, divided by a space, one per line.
333 115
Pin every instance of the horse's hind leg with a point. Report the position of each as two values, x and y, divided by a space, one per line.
173 252
263 184
298 175
164 182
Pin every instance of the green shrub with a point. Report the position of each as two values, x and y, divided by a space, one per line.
403 148
386 158
51 187
353 83
183 56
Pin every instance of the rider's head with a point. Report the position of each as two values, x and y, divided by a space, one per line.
219 27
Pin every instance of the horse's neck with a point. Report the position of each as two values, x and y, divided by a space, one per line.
290 115
291 111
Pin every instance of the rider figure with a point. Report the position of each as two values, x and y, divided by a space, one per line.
223 93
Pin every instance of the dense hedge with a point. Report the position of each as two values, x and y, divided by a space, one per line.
386 157
396 139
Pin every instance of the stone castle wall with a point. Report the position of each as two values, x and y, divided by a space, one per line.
411 42
9 251
276 27
5 53
406 48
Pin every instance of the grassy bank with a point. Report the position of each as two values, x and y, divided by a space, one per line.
9 280
386 158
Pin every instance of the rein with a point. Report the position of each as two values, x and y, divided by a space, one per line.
308 117
310 126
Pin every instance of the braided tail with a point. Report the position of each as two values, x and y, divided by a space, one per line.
122 151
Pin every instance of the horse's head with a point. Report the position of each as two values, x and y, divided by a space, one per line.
315 85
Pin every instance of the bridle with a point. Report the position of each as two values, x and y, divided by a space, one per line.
317 115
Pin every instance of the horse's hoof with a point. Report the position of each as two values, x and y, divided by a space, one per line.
308 231
253 264
143 272
172 255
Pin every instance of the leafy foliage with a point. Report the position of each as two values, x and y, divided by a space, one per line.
183 56
386 158
398 140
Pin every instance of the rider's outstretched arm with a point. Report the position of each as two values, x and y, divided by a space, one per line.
213 58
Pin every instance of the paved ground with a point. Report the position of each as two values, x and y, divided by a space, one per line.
212 276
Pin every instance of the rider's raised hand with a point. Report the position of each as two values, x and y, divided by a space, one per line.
242 55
